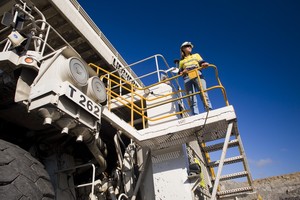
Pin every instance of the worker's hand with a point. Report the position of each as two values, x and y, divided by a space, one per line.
205 64
183 72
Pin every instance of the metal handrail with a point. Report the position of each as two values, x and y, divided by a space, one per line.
43 42
136 94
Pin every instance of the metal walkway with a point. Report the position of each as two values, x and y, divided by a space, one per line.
206 127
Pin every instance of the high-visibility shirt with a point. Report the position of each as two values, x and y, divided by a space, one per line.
190 62
202 181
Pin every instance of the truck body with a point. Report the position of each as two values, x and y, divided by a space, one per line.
78 123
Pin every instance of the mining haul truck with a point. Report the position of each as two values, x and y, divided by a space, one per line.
78 122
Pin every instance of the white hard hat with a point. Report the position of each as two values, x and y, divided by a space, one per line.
186 44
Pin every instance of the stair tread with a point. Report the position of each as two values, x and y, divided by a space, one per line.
235 190
227 161
219 146
234 175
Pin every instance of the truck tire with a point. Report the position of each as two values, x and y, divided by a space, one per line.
22 176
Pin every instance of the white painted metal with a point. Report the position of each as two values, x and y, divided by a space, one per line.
163 110
170 175
188 126
103 46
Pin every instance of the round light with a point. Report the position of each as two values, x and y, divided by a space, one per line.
75 71
96 89
28 60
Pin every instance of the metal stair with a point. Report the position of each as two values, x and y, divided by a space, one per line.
231 139
233 176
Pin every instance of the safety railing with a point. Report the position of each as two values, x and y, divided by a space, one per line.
137 96
218 86
121 92
33 34
40 42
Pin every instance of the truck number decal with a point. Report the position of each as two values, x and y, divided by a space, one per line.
81 99
89 105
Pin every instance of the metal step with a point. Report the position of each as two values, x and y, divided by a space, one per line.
227 161
219 146
234 191
233 176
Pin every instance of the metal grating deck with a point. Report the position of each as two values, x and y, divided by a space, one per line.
208 127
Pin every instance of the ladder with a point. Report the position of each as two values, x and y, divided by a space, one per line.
231 139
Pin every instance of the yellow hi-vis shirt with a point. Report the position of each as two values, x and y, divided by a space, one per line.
190 61
202 181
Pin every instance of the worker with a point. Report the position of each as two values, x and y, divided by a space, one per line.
188 62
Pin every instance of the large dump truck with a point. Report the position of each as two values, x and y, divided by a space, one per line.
77 122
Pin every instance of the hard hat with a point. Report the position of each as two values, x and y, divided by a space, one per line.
186 44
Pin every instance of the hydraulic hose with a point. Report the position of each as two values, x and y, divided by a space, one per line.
92 145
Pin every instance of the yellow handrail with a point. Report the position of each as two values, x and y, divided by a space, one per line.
134 98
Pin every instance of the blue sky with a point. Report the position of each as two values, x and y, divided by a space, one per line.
256 47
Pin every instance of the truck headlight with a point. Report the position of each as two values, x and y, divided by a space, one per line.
96 89
75 71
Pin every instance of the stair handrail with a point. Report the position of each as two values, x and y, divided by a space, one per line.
138 93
